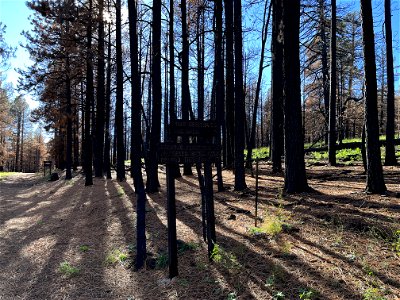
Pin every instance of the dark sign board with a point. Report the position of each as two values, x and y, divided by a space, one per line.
187 153
194 128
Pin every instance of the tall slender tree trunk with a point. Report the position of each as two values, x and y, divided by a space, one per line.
240 115
186 101
88 103
219 83
332 100
17 146
68 94
229 83
107 136
295 172
99 136
390 156
21 168
152 183
324 61
136 138
375 181
119 104
277 87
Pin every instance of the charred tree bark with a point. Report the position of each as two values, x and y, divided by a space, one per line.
295 172
187 169
88 103
332 100
136 139
277 88
152 183
219 83
375 181
107 137
100 105
119 104
240 115
229 82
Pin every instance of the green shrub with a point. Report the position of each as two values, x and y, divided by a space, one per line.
373 293
114 256
68 270
162 261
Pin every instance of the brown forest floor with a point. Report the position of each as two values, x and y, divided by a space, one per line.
338 244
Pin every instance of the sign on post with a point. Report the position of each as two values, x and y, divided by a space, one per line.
201 149
47 164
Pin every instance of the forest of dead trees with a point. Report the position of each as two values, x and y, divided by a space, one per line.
111 75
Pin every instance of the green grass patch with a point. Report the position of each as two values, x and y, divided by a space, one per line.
84 248
162 261
68 270
183 247
272 227
260 153
4 175
115 256
120 191
373 293
225 258
396 242
308 294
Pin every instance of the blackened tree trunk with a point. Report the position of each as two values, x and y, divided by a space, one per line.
136 139
240 116
152 183
229 82
277 87
295 172
68 110
200 62
332 100
107 138
172 111
375 181
17 147
219 83
324 61
99 136
390 156
88 103
119 104
187 170
76 135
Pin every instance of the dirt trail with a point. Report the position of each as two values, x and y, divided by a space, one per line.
338 244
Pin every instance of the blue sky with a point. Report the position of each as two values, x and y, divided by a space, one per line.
14 14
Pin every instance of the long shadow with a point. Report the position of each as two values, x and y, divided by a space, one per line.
380 275
259 262
156 233
46 228
24 205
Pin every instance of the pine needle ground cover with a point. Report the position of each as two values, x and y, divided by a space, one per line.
68 241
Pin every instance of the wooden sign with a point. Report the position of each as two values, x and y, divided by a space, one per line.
188 153
194 128
204 151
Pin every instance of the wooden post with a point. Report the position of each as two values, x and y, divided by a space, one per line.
171 216
203 201
211 238
256 210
